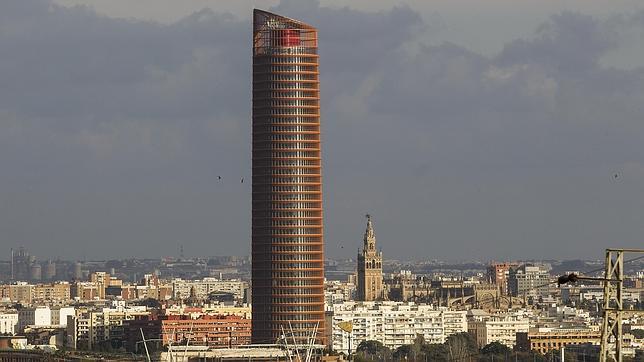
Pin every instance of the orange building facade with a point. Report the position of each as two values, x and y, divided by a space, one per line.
215 331
287 219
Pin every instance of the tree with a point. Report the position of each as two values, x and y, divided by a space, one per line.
638 333
372 350
150 303
435 352
461 346
403 352
371 347
496 348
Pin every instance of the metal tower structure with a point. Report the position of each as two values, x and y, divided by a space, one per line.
613 305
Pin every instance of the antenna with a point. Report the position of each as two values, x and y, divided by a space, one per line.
297 352
185 353
147 353
285 341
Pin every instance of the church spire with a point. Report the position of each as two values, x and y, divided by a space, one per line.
370 282
369 236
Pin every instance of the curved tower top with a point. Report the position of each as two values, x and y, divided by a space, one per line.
275 33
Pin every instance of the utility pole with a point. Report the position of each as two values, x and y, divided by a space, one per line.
613 305
613 308
13 277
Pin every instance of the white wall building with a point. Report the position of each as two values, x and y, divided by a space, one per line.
36 316
393 323
59 315
181 288
9 323
502 328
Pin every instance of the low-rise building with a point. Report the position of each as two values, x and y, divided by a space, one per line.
9 323
543 340
215 331
34 316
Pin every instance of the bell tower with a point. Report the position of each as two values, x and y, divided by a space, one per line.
370 282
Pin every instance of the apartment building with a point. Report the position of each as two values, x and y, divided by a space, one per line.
543 340
393 323
502 328
9 323
181 288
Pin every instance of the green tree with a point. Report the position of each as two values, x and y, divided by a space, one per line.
435 352
638 333
371 347
404 352
495 348
373 350
461 346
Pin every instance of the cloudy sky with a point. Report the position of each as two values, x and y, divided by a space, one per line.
469 129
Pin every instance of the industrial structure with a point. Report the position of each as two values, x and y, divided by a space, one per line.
287 223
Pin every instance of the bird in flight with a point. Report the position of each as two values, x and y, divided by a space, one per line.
242 180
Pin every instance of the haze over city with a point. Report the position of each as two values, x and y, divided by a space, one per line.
513 131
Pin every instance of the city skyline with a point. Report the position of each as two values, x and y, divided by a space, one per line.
516 135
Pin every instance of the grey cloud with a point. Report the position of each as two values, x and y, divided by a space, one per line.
113 133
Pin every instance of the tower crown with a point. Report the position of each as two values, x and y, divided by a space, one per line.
369 236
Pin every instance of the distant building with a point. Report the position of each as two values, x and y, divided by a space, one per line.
59 315
543 340
52 293
86 291
34 316
215 331
502 328
370 282
88 329
532 279
498 273
49 270
9 323
393 323
336 291
202 288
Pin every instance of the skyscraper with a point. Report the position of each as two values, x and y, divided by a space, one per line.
370 267
287 227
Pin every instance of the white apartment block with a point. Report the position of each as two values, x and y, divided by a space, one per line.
36 316
337 292
8 323
393 323
89 328
59 315
502 328
181 288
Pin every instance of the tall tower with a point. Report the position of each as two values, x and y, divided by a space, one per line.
287 235
370 267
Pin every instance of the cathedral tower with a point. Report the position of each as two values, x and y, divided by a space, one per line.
370 286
